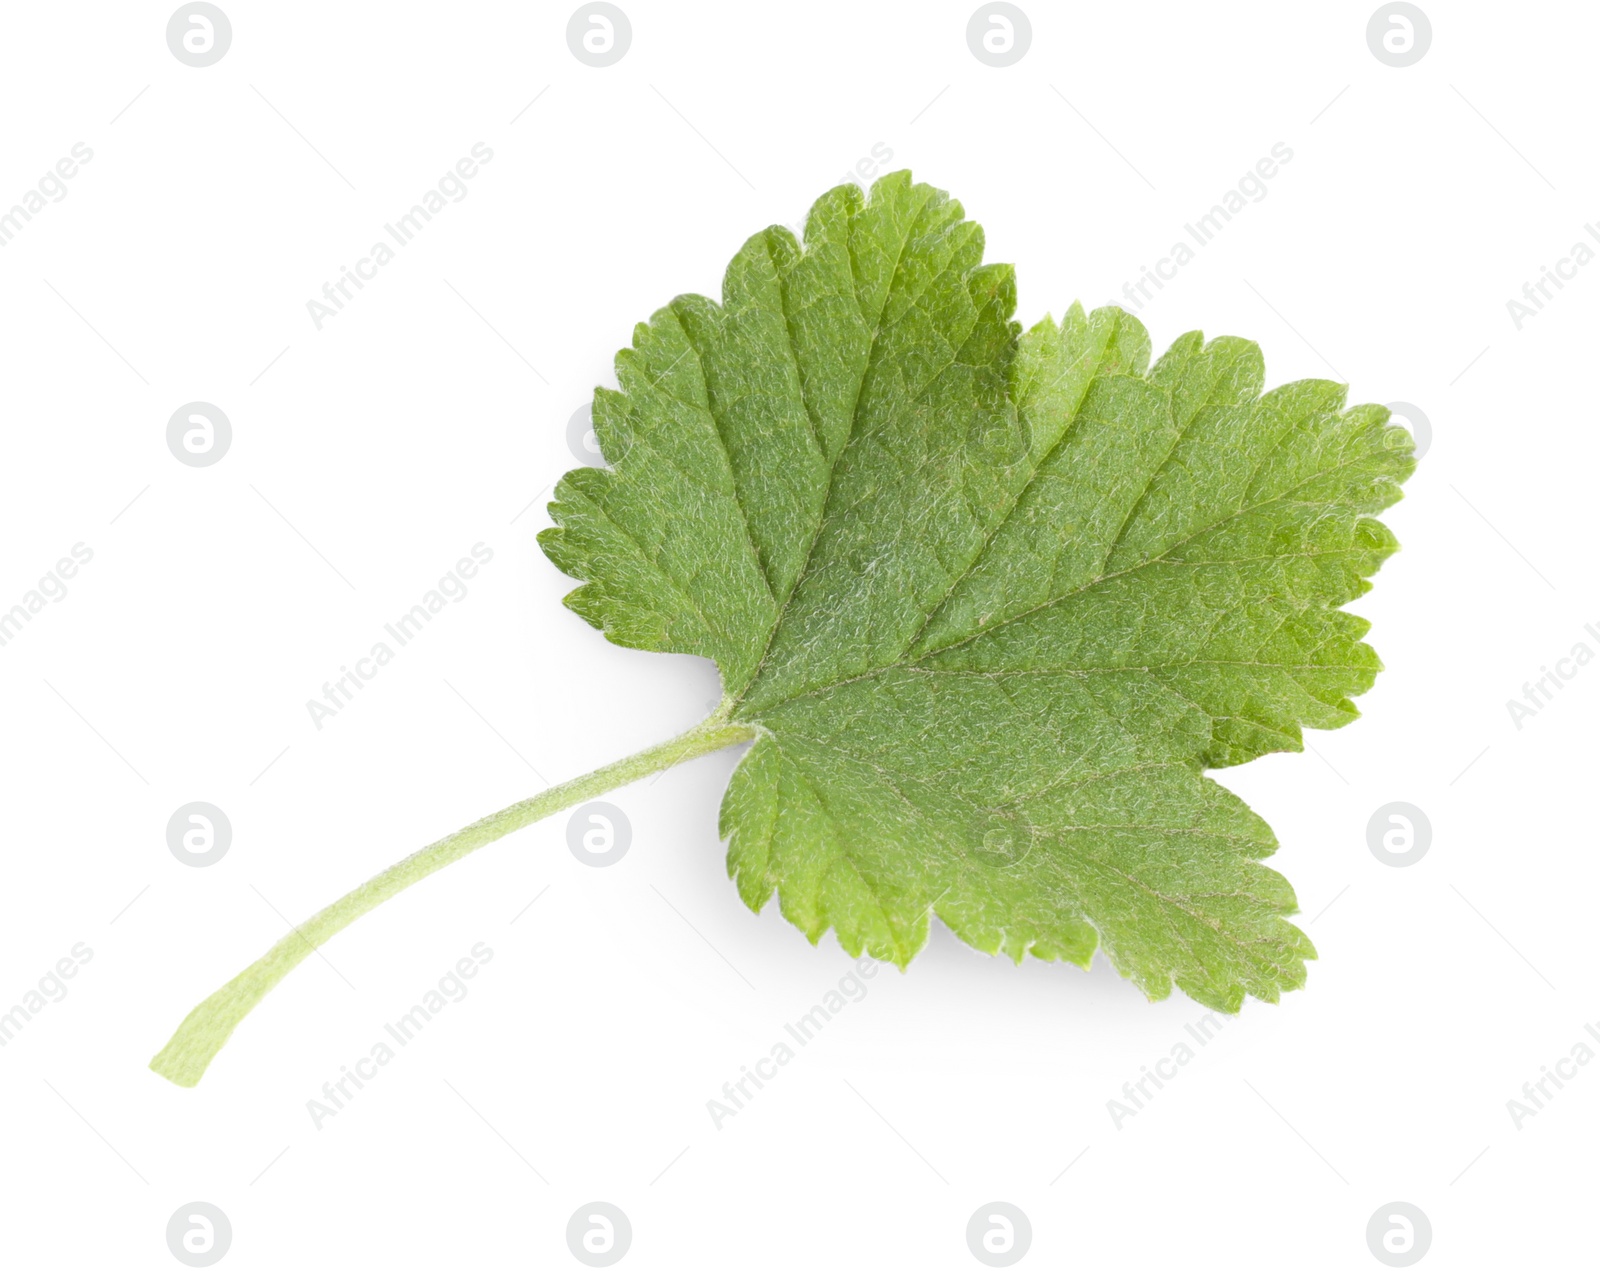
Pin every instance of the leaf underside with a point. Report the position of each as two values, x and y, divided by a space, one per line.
993 600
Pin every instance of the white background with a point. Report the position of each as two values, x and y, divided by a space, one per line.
370 455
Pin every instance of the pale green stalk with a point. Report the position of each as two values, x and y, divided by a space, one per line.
203 1033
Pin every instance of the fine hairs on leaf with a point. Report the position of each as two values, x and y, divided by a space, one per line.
987 602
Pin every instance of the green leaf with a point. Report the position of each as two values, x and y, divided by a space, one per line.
991 602
987 604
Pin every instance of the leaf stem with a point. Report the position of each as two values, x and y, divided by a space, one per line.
183 1060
